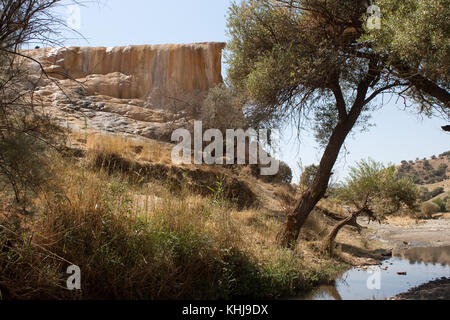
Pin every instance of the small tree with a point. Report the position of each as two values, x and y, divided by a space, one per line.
373 190
222 110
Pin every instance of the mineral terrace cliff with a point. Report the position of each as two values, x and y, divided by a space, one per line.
132 89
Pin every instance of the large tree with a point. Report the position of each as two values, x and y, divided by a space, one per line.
317 60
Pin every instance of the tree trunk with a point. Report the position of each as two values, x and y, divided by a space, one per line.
329 241
313 194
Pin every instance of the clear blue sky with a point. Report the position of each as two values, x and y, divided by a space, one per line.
398 135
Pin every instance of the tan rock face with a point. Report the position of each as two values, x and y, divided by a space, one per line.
139 90
160 74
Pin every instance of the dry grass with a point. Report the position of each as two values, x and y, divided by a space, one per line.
145 241
136 149
402 221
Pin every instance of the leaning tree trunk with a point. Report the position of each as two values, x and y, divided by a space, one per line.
313 194
329 240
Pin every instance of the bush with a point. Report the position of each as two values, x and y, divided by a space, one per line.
428 209
284 175
221 110
447 206
308 175
441 204
425 194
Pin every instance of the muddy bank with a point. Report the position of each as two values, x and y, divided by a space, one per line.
410 233
433 290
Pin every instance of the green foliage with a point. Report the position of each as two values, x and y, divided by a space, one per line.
441 203
222 110
308 175
414 34
26 136
171 249
437 191
374 186
313 62
285 172
426 195
426 176
284 175
26 133
426 47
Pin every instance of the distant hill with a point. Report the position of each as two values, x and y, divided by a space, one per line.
435 170
432 175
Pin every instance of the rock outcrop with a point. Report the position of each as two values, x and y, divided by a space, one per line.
134 89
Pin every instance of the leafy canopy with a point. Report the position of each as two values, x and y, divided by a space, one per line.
414 38
294 58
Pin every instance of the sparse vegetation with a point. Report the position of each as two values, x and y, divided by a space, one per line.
426 195
140 227
425 171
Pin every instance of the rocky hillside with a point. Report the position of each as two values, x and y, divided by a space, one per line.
137 90
427 171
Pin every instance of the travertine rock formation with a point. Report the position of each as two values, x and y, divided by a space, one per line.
140 89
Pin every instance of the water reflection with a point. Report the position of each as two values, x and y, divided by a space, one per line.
439 255
420 264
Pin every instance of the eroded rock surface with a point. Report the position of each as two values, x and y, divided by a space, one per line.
140 90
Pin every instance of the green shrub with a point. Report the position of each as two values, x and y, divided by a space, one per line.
437 191
222 110
284 175
425 194
441 204
308 175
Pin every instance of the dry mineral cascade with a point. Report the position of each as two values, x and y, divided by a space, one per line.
140 90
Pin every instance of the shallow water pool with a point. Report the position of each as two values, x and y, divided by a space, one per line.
407 268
